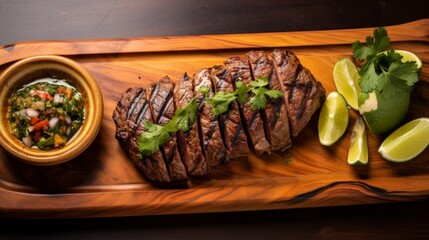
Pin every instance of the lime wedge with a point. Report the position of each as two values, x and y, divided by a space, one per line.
406 142
346 81
333 119
358 150
409 56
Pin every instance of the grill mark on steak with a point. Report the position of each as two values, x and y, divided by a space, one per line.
158 94
291 86
234 136
189 143
252 121
133 104
274 115
303 93
153 167
120 115
139 105
213 145
162 112
140 118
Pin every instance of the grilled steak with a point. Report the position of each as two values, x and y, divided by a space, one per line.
130 116
162 108
213 140
240 71
303 94
213 146
275 114
230 122
189 142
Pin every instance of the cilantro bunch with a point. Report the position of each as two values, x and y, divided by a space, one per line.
380 70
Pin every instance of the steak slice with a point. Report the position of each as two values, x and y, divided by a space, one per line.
122 113
189 142
302 92
135 117
162 107
213 146
240 71
230 122
275 113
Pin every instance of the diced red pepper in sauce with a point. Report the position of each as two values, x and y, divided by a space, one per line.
43 95
41 124
34 120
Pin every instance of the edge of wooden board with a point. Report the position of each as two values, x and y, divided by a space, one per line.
412 31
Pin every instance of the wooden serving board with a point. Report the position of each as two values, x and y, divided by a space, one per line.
104 182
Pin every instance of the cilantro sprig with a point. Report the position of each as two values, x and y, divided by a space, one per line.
221 100
382 70
259 100
373 45
156 135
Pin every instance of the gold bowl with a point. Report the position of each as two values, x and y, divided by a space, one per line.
33 68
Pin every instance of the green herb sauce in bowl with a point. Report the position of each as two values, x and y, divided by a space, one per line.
46 113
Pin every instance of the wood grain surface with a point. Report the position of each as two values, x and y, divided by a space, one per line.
103 182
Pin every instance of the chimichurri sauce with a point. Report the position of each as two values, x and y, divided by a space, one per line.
46 113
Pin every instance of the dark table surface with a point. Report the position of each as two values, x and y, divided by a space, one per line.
82 19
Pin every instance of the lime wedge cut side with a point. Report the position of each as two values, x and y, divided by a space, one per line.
358 150
333 119
409 56
406 142
346 81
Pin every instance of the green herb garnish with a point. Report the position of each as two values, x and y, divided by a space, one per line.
156 135
205 91
373 45
241 92
382 70
221 100
258 101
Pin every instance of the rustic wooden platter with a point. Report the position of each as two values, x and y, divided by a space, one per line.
104 182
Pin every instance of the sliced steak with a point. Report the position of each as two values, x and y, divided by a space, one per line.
230 122
162 106
153 167
275 113
240 71
303 93
213 140
189 142
122 113
213 146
